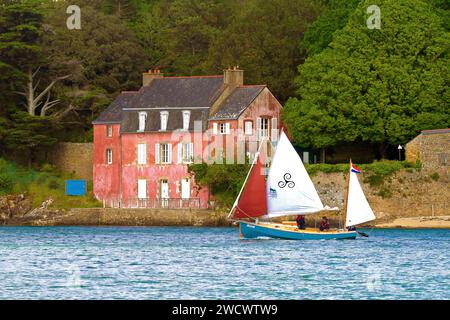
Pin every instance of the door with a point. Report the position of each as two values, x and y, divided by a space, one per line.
142 189
164 185
185 188
142 193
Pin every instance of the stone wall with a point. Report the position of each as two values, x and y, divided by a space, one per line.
431 149
129 217
74 158
408 193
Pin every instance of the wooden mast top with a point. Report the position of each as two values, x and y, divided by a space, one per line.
348 189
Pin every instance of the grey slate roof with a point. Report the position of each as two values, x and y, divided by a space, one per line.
175 95
112 114
180 92
237 102
130 120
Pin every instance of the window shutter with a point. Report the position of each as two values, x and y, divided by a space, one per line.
274 129
169 153
180 152
215 128
227 128
157 153
258 128
191 151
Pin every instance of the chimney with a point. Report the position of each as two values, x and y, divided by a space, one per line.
232 78
151 75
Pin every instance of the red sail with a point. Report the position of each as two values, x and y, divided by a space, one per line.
252 202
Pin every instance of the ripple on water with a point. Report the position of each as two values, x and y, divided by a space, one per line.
208 263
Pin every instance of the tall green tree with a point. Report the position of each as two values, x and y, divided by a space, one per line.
20 23
380 86
320 33
264 39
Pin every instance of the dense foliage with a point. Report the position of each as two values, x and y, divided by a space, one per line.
381 86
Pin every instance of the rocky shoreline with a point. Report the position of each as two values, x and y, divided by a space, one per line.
16 210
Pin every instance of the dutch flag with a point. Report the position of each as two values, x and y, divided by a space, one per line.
355 169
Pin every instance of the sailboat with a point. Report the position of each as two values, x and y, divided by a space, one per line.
287 191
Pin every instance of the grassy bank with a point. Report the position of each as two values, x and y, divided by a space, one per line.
41 184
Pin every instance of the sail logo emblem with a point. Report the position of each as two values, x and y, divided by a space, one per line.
287 181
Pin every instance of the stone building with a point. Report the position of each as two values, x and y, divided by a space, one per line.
431 148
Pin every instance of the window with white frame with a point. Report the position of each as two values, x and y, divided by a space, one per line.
186 119
248 128
163 153
185 152
142 153
224 128
164 120
263 127
142 121
109 131
109 156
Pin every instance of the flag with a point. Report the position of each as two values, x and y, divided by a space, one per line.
355 169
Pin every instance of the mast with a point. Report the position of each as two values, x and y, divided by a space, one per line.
348 191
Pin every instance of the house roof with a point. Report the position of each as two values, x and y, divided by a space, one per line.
179 92
175 95
435 131
130 120
237 102
112 114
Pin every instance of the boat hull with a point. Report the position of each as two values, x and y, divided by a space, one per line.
277 231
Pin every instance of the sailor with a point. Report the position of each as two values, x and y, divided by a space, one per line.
301 222
324 224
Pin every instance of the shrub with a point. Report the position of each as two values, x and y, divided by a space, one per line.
6 184
435 176
385 193
54 184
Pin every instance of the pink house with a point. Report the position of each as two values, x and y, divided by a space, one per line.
145 140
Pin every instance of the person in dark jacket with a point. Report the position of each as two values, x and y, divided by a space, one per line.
301 223
324 224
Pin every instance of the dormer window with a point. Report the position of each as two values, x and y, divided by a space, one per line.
186 119
164 120
142 121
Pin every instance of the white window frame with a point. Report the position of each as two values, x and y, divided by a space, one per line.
142 121
248 130
186 119
142 153
109 156
224 128
109 131
165 153
215 128
164 120
263 131
185 152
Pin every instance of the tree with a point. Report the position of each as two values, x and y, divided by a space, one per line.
30 135
264 39
320 33
380 86
20 22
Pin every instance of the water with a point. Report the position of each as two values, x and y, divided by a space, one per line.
210 263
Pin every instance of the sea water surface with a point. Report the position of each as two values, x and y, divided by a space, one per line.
212 263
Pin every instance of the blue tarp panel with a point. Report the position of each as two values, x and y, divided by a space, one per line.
75 187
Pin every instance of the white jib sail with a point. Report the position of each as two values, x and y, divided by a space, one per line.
289 187
358 209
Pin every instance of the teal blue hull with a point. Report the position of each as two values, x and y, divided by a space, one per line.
254 231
